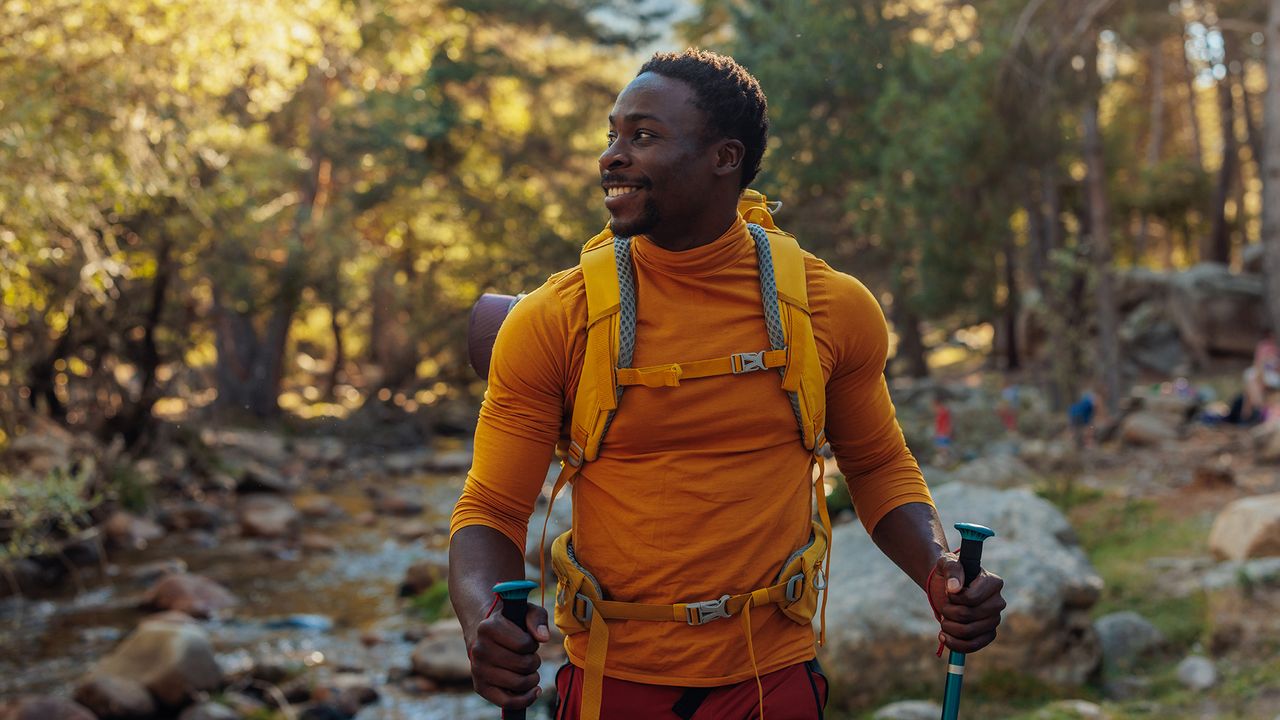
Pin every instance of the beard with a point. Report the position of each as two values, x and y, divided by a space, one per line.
641 225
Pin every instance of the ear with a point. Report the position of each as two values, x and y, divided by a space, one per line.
728 157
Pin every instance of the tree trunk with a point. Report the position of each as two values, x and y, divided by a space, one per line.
1011 305
1037 237
1271 159
910 340
1251 125
1100 252
133 422
1217 247
1155 141
1197 146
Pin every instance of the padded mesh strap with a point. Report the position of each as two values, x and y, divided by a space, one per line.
626 318
772 315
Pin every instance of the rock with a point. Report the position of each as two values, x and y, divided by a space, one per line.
321 451
194 595
317 543
126 530
258 445
1216 310
45 707
1197 673
406 462
1125 638
191 515
317 507
150 572
174 660
266 515
1266 442
115 698
999 471
1074 709
909 710
454 461
413 530
1251 257
880 630
396 503
1247 528
1260 572
209 711
254 477
1150 339
1146 428
1213 476
421 576
442 655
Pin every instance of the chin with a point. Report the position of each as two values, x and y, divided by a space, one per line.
630 227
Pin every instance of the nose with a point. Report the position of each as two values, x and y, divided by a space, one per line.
614 156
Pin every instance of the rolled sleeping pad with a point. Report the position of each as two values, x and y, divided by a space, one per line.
482 328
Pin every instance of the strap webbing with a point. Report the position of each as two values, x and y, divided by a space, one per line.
670 374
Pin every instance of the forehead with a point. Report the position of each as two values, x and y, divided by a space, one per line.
658 97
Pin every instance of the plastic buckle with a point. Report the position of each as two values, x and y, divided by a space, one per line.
575 454
585 617
819 579
747 362
701 613
795 586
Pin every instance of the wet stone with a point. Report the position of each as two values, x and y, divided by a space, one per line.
111 697
43 707
209 711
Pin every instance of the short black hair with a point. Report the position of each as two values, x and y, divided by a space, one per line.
730 96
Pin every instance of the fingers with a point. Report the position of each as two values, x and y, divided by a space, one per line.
970 617
504 660
983 588
536 621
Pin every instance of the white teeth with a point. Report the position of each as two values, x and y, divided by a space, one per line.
616 191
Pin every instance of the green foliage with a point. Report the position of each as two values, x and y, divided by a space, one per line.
36 514
432 603
130 487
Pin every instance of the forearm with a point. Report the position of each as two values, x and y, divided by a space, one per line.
479 558
911 536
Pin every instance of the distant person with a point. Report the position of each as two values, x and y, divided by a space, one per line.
1260 379
1007 407
942 430
1080 415
688 584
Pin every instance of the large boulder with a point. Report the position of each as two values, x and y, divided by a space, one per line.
44 707
267 515
442 655
1150 339
174 660
998 471
1145 428
881 631
1247 528
115 698
195 595
1216 310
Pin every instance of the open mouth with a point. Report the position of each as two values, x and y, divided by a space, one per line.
620 190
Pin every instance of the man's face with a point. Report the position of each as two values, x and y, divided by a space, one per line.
658 168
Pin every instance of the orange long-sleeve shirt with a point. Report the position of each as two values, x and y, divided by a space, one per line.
700 489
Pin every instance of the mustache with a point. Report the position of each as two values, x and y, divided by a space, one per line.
618 179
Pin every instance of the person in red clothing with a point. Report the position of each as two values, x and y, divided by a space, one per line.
941 430
699 489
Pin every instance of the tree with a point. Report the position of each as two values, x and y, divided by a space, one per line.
1271 161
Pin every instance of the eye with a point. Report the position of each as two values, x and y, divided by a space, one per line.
610 138
645 135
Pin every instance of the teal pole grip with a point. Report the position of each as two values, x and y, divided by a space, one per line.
515 606
971 538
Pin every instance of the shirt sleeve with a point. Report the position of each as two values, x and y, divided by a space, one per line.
862 425
520 418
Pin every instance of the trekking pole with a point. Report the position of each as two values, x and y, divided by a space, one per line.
971 537
515 605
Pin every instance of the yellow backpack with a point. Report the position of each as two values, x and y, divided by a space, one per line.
581 604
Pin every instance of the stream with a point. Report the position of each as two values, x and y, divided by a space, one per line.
336 611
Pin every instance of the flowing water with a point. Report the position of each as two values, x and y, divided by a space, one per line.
296 608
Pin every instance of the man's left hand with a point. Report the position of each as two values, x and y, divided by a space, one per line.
971 614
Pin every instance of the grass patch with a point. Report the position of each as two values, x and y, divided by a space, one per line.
431 604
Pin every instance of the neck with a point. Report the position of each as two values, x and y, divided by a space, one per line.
703 230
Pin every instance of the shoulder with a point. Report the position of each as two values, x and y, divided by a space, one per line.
832 291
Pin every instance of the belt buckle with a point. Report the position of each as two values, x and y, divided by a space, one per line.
748 362
701 613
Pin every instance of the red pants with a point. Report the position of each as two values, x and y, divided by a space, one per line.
798 692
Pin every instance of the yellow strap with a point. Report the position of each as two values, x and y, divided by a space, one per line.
593 682
567 473
670 374
751 653
820 496
679 612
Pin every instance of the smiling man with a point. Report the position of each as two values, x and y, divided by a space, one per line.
686 589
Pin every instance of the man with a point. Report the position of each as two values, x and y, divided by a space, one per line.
699 490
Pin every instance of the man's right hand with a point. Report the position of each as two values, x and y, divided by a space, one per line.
504 658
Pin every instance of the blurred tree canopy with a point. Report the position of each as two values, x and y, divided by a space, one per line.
267 205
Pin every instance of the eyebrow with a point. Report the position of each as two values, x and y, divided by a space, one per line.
636 117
